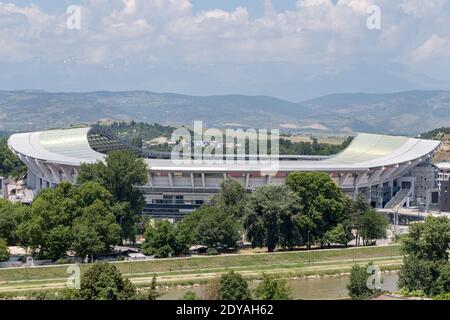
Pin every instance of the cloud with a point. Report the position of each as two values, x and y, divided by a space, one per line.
331 35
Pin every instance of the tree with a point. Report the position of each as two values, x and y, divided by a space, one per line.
357 286
273 289
121 172
10 217
4 252
232 286
152 293
163 240
425 262
102 281
231 198
338 235
95 231
69 218
429 240
418 274
210 226
269 215
372 226
358 208
443 281
324 205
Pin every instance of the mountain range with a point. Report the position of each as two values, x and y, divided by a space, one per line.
409 112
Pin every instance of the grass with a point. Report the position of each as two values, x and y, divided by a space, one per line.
197 269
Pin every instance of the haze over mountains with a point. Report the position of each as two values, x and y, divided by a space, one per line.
408 112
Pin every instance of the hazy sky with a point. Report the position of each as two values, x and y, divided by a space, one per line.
285 48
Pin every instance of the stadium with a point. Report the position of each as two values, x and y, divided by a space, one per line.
390 170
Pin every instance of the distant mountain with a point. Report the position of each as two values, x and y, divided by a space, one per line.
408 112
398 113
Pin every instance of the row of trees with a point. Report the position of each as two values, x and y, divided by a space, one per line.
308 209
87 218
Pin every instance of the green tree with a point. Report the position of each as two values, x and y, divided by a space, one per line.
232 286
425 262
357 286
121 172
443 281
4 252
10 218
273 289
372 226
418 274
358 208
231 198
69 218
152 292
324 205
429 240
10 164
210 226
95 231
163 240
338 235
102 281
269 217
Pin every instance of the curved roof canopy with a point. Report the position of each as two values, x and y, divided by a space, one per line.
76 146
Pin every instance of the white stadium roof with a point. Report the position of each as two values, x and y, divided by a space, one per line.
367 151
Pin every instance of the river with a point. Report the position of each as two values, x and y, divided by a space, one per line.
324 288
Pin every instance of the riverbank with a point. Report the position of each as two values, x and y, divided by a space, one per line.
198 270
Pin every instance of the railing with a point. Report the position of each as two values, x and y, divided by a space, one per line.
399 199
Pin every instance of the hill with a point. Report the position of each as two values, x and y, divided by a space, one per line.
442 134
408 113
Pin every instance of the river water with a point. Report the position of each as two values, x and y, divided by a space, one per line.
324 288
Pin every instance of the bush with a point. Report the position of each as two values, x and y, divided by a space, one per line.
273 289
190 295
357 286
232 286
102 281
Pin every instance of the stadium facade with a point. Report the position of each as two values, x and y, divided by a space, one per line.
390 170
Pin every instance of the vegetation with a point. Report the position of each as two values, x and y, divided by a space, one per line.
102 281
372 226
425 263
164 240
210 226
10 164
190 295
269 217
231 199
121 171
271 288
11 216
69 217
232 286
4 252
357 287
